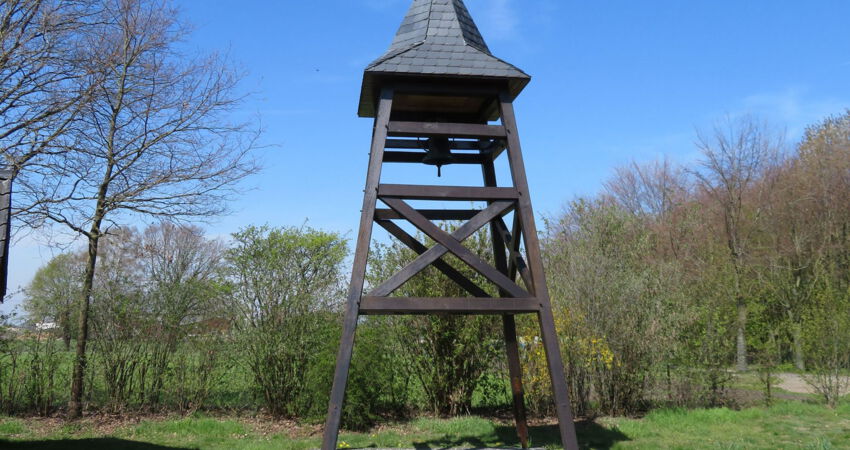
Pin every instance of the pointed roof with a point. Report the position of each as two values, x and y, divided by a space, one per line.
437 38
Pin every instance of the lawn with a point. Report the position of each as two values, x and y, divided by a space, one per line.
787 424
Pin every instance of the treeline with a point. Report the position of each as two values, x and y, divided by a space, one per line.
662 285
181 322
673 275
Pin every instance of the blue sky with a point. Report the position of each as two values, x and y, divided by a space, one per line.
613 82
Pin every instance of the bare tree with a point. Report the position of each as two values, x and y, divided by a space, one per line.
736 155
181 268
652 189
39 88
654 192
156 139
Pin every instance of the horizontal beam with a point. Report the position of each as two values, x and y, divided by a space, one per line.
412 144
459 130
429 192
430 214
442 305
416 157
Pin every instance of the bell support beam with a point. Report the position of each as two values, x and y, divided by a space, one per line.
417 157
410 144
535 261
442 129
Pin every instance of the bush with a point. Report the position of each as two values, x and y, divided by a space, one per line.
285 284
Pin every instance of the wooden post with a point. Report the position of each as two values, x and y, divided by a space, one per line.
358 273
488 170
535 262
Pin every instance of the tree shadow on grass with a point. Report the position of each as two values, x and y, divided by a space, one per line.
591 435
84 444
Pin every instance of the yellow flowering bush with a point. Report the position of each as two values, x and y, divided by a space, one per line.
583 354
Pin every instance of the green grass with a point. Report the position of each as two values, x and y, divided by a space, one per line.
787 424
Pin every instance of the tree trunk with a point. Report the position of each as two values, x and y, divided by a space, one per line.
66 329
75 406
797 346
741 339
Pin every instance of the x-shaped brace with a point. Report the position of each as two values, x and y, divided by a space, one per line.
445 243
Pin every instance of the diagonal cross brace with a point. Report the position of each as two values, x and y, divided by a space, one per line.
435 252
441 265
453 245
517 263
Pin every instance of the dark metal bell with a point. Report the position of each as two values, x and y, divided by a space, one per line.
439 153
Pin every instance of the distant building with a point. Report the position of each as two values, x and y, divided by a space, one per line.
43 326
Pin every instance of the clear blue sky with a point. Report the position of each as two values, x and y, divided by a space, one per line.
613 81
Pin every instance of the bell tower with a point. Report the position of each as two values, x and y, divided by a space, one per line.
438 96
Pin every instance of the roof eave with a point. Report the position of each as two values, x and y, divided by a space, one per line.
374 80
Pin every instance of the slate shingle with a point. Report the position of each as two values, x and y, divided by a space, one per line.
438 37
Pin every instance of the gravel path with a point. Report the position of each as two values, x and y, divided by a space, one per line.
793 382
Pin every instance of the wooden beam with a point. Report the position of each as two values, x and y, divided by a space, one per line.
462 305
410 144
535 261
430 214
358 271
423 192
517 263
458 130
488 171
441 265
416 157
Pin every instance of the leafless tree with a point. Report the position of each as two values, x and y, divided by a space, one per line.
654 192
735 157
653 188
181 268
156 139
39 86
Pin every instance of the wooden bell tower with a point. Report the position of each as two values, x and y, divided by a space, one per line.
438 96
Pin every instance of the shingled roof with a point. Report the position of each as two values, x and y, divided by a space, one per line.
437 38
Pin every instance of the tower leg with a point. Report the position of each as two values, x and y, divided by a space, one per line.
508 322
535 266
358 274
515 370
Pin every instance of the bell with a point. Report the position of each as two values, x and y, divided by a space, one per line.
439 153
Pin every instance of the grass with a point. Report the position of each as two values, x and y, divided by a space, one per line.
787 424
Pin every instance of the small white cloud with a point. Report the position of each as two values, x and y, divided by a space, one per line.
793 108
